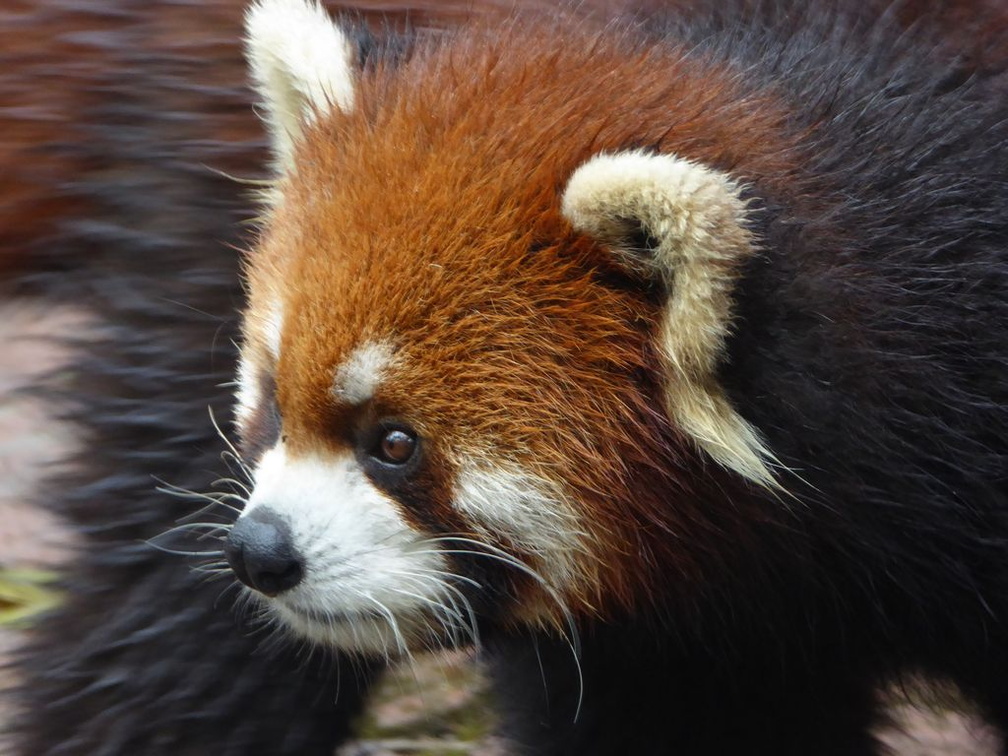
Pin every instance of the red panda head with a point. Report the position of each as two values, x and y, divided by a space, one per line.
478 375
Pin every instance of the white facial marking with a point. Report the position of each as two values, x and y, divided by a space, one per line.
511 502
247 392
266 330
371 583
361 373
302 64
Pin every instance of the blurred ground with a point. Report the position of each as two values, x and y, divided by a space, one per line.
30 442
437 707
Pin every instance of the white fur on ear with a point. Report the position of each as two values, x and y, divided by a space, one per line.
694 219
302 64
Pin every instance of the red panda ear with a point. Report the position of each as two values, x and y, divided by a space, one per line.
692 220
302 65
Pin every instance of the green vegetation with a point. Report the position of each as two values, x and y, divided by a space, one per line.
25 593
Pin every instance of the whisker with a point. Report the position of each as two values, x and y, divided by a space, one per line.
178 552
214 498
230 457
450 618
237 484
443 573
237 455
494 552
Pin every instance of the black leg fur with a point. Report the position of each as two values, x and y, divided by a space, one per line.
686 702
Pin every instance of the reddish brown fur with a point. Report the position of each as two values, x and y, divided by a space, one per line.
403 224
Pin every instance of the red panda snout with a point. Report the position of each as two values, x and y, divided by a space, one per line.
366 580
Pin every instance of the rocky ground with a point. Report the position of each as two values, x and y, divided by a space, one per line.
437 707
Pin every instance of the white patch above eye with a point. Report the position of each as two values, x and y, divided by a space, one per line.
501 500
697 219
372 583
302 64
360 375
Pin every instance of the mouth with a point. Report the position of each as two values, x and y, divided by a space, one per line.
329 618
367 632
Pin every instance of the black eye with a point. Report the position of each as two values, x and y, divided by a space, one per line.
396 446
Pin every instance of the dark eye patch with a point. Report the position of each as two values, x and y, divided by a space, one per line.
262 430
390 452
421 486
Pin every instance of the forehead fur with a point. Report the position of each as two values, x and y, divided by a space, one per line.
432 209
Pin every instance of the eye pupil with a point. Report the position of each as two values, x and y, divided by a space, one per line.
397 446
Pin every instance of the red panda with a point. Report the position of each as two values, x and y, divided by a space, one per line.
665 363
661 360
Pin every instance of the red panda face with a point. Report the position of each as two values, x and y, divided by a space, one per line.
465 388
434 382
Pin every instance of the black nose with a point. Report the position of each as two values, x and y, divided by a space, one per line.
261 552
